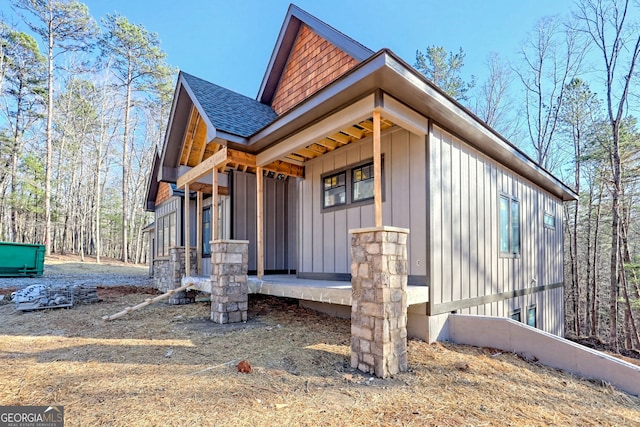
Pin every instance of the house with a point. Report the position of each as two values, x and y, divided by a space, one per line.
345 138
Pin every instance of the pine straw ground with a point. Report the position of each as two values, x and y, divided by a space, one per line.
169 365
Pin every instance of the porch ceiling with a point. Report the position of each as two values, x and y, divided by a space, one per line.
345 136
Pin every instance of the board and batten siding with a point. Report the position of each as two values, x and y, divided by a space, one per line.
277 226
466 262
325 243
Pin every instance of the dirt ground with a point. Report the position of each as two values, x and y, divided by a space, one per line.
169 365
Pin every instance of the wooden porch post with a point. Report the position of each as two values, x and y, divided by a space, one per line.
377 170
199 232
214 205
260 220
187 233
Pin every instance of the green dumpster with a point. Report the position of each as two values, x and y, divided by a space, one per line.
21 259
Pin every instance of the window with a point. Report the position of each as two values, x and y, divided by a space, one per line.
509 226
549 221
515 315
166 234
362 182
335 190
160 239
532 316
206 231
351 185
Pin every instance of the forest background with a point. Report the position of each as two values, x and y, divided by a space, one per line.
84 103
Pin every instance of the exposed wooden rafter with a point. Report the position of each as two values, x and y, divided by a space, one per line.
336 140
187 141
227 158
198 144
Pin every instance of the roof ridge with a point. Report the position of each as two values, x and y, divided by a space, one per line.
293 20
221 87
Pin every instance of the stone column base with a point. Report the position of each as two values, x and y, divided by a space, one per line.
379 272
229 281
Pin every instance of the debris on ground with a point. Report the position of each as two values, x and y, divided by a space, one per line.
38 297
244 367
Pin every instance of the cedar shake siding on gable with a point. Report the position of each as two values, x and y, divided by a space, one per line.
163 193
313 63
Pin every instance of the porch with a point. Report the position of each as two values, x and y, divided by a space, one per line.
289 286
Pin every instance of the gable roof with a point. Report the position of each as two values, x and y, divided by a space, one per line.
286 39
228 111
383 73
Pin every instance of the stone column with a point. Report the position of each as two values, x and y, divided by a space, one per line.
229 287
379 272
170 274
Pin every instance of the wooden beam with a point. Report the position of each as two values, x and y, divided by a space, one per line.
207 188
285 168
328 143
215 161
187 233
366 124
260 221
214 206
187 139
199 233
341 138
295 157
310 152
241 158
377 170
148 301
354 132
200 139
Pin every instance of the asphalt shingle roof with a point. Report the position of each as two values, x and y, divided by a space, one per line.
229 111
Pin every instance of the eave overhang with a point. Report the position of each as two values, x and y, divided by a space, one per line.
152 186
183 100
388 77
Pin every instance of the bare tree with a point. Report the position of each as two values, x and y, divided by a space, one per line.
137 61
579 122
606 24
64 25
492 100
551 57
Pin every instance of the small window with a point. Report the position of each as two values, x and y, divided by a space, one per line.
549 221
206 231
160 239
362 178
335 190
532 316
166 234
172 231
509 226
515 315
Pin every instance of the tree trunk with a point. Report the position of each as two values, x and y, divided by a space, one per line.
14 169
631 331
588 313
125 171
49 132
595 309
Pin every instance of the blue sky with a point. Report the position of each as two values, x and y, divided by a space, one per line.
230 42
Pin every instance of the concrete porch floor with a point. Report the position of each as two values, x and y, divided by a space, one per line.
289 286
